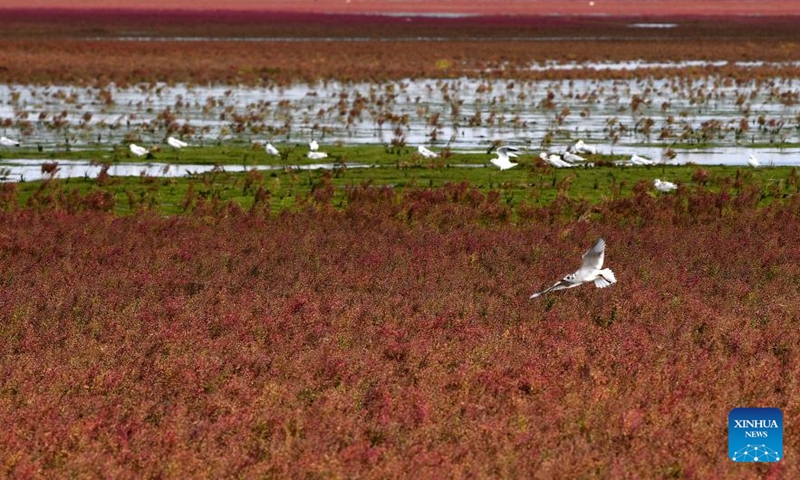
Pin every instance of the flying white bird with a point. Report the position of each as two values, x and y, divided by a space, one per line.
503 161
554 160
637 160
581 147
426 153
664 186
591 271
137 150
271 150
7 142
753 161
175 143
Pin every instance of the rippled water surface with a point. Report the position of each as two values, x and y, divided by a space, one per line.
618 115
13 170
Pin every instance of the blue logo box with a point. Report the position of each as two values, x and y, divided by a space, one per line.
755 435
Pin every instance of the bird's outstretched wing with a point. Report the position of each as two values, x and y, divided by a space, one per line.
559 285
508 151
593 258
592 262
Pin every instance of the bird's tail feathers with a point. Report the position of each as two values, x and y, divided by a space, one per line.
605 279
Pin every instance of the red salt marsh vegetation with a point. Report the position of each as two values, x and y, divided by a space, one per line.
457 7
389 334
81 47
394 337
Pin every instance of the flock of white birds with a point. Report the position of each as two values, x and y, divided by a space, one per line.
569 158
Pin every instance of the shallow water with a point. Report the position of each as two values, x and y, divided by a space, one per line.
14 170
20 169
461 113
717 156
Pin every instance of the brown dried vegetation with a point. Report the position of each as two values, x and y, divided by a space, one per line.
128 47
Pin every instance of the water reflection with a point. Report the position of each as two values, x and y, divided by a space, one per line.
462 112
716 156
20 169
15 170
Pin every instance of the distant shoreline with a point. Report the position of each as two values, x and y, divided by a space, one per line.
616 8
227 47
532 17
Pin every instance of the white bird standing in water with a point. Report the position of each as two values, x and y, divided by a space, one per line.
664 186
7 142
314 154
591 271
271 150
426 153
137 150
753 161
175 143
503 161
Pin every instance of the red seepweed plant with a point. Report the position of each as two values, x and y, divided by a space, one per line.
394 337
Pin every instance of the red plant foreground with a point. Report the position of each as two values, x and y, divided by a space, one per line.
394 338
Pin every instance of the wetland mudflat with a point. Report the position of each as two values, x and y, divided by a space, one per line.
461 113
